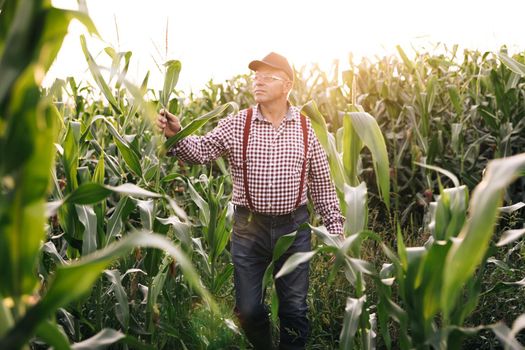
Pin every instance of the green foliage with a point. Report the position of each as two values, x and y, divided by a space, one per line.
109 177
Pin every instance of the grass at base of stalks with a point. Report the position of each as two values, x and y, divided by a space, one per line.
326 302
504 305
211 331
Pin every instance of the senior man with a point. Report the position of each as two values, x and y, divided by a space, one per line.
275 160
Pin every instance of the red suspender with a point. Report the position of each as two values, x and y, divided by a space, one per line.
246 135
303 171
245 138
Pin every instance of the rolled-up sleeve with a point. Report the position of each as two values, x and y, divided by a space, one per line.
204 149
322 190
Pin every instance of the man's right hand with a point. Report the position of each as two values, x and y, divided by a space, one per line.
167 123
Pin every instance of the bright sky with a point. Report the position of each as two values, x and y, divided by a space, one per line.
217 39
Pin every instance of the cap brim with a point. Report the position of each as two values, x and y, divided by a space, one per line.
255 65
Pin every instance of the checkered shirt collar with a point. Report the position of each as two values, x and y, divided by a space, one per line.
291 114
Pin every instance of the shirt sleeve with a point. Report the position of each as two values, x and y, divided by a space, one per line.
322 190
204 149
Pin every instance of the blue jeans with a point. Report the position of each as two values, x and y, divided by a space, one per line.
252 244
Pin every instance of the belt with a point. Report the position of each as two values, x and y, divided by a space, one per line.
245 210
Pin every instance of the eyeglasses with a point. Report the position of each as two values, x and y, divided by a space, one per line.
267 78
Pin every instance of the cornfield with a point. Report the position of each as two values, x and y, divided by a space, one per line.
105 241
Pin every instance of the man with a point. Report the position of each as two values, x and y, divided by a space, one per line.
275 158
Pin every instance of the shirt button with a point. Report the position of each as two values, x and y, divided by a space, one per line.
269 184
269 205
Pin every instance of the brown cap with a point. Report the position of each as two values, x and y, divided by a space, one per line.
273 60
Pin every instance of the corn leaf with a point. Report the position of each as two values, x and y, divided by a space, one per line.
445 172
510 236
122 306
22 206
100 340
353 310
352 146
147 215
512 64
327 142
201 203
370 133
115 222
293 261
87 217
356 208
198 123
281 246
53 336
97 75
129 154
171 78
512 208
90 193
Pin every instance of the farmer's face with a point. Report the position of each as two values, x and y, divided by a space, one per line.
270 85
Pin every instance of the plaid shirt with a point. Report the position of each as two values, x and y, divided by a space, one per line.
274 160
